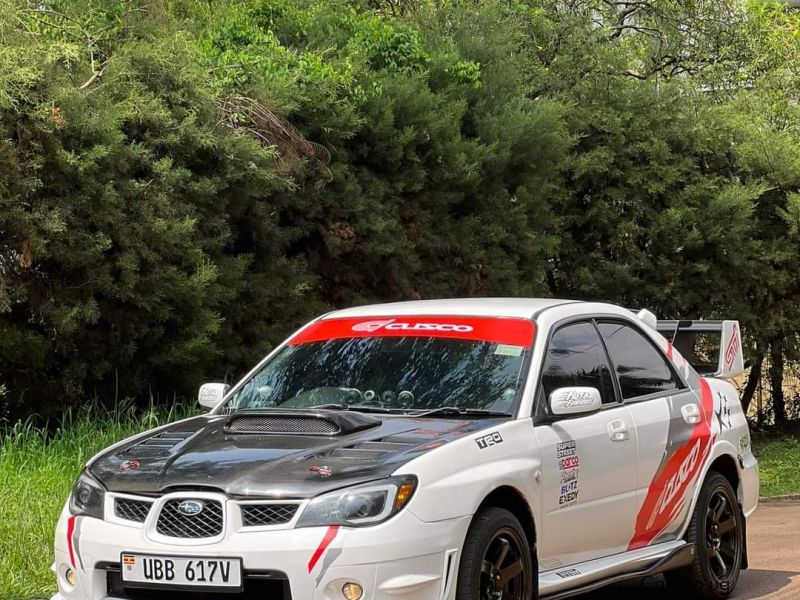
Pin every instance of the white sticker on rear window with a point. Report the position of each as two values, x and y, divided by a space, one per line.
508 350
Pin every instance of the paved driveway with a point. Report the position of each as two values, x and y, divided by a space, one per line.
774 573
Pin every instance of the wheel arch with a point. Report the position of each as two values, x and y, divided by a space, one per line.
512 500
725 465
725 462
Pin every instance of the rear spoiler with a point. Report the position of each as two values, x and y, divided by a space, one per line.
713 348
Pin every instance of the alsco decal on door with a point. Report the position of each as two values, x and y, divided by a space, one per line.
667 495
507 331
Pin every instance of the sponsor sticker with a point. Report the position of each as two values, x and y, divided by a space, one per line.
568 573
733 347
323 472
569 466
508 350
744 444
490 439
512 335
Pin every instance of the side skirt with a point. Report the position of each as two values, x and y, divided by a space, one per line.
626 569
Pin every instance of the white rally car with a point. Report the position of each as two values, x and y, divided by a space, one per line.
483 449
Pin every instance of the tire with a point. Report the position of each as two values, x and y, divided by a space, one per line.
497 563
717 531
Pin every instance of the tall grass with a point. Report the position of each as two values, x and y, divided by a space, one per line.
37 470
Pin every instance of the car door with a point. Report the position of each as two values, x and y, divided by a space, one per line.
588 462
671 430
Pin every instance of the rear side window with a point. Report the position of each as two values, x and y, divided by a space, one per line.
575 357
641 368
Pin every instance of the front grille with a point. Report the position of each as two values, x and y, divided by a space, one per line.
282 424
173 523
256 515
132 510
267 585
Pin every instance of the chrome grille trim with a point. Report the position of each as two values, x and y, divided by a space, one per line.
208 523
263 515
131 509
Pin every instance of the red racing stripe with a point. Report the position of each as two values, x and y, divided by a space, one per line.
323 545
70 533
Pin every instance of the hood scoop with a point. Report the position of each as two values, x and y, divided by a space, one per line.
322 422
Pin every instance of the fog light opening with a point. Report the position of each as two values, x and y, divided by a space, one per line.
352 591
70 577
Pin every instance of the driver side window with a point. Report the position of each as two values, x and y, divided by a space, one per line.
576 357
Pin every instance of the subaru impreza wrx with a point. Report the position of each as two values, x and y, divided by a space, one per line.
480 449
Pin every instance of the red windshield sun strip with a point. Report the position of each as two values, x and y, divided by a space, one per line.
498 330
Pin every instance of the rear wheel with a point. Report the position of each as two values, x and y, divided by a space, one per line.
496 562
717 531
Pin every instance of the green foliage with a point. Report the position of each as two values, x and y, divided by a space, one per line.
184 182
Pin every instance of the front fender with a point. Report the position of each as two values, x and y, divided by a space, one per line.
456 478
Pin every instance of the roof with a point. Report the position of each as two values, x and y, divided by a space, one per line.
478 307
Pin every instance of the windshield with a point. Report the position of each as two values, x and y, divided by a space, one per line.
394 370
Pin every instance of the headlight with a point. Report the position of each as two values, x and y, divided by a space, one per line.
88 497
360 505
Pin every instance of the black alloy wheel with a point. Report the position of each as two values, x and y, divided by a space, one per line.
717 531
496 563
723 542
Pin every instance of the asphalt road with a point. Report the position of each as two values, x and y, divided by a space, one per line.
774 573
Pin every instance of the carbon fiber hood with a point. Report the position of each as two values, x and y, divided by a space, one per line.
203 454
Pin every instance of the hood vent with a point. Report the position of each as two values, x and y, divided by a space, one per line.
160 444
325 423
371 449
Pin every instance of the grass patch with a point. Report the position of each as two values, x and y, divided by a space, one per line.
778 460
37 471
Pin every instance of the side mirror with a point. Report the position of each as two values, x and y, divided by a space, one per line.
568 401
211 394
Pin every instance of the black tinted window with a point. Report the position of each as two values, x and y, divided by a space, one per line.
575 357
640 367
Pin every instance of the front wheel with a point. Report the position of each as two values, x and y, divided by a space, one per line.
497 562
717 531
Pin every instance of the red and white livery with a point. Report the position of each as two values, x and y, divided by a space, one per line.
474 449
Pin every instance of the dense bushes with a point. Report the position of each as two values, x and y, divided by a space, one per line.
184 182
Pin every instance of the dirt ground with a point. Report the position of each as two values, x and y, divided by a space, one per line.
774 573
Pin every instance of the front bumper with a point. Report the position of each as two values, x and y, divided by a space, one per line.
402 557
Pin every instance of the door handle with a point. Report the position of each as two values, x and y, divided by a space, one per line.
618 431
691 413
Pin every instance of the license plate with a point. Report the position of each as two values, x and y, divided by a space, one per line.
180 571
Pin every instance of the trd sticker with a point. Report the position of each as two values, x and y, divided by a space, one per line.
568 573
568 466
490 439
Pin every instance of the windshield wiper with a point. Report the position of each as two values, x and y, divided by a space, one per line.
365 408
461 412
